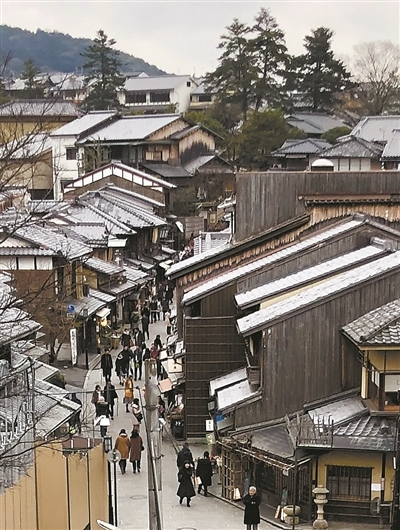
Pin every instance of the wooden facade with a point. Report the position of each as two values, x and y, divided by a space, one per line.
306 358
276 197
213 348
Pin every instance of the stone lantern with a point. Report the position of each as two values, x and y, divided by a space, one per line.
320 500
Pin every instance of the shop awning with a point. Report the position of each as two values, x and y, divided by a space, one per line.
103 313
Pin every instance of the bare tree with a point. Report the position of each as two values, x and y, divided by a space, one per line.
377 70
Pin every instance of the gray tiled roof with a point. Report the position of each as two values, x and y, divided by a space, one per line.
165 170
313 123
55 240
353 147
83 124
126 211
392 147
274 440
131 128
379 326
198 162
314 294
184 132
376 128
301 147
328 267
119 288
367 433
102 266
90 303
197 258
104 297
15 324
226 278
38 107
339 411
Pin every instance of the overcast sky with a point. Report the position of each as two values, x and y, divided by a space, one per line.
181 37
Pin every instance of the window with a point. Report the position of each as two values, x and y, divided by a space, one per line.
188 84
135 97
205 98
345 482
71 153
159 97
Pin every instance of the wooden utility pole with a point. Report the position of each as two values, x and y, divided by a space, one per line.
153 437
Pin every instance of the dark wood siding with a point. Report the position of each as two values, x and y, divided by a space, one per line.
278 197
307 358
213 348
220 303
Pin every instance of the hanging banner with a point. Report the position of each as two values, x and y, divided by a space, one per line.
74 345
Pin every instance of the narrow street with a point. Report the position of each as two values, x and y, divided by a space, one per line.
209 513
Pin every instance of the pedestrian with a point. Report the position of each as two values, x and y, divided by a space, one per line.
119 368
153 310
252 502
185 488
126 338
184 455
136 448
75 421
145 326
159 309
127 355
168 323
204 473
128 392
96 394
110 396
165 307
106 364
137 415
145 352
123 445
102 412
138 337
138 362
158 343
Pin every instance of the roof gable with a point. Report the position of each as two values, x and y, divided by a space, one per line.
353 147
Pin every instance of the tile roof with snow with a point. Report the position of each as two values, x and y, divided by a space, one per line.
104 267
377 327
301 147
332 286
130 128
55 240
329 267
39 107
226 278
83 124
392 147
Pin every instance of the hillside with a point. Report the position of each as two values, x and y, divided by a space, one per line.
55 52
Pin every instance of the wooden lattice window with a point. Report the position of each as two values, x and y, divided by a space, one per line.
347 482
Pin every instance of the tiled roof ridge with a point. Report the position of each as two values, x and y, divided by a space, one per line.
390 321
103 214
142 217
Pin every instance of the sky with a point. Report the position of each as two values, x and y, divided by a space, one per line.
181 37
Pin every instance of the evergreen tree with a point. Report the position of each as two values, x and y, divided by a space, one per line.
103 73
33 89
270 53
235 77
317 73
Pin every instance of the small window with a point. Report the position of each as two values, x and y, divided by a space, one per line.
188 84
71 153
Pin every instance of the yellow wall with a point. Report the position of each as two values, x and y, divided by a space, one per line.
377 358
359 459
22 509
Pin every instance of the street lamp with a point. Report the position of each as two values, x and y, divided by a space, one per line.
85 315
107 446
113 457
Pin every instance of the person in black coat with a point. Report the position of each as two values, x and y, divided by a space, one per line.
185 488
106 364
252 502
110 395
184 455
204 472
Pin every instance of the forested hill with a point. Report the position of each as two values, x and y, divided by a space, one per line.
55 52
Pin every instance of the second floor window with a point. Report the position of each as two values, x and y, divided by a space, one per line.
135 97
71 153
159 97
